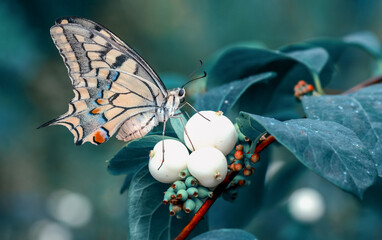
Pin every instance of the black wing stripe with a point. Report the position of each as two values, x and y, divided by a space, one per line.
142 127
126 109
99 30
79 52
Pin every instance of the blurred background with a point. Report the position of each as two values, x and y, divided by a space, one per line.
53 190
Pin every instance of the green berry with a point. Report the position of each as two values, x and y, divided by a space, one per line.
177 185
198 204
191 182
192 192
174 209
182 195
189 205
203 192
168 195
185 173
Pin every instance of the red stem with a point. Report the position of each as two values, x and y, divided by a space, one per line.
366 83
217 192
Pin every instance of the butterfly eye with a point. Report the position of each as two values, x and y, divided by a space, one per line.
181 93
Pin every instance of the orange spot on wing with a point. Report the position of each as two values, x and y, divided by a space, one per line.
96 110
100 101
98 137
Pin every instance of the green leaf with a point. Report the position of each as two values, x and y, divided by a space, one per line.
328 148
148 218
274 94
314 58
223 98
360 111
241 62
250 128
366 41
317 59
133 154
226 234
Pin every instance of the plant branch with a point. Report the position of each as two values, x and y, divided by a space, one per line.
364 84
217 192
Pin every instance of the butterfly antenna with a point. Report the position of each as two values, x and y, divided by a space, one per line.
196 69
204 75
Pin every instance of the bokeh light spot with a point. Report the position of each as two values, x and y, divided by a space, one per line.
306 205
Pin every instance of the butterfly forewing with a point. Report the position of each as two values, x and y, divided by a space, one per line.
113 86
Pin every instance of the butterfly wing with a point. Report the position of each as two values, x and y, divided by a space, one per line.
113 85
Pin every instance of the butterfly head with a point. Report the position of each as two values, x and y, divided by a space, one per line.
181 94
178 93
175 97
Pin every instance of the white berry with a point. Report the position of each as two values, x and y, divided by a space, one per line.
208 165
218 132
175 161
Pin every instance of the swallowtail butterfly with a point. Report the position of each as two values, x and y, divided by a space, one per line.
115 90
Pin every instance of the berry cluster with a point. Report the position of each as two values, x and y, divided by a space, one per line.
240 159
302 88
194 176
185 194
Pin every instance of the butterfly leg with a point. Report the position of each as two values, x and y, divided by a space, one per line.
185 130
187 103
164 130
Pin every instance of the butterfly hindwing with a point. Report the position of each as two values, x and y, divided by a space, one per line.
113 86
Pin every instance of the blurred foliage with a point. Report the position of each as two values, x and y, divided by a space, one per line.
172 36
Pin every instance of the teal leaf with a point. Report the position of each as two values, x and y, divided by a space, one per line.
328 148
239 63
178 123
226 234
360 111
274 94
317 59
223 98
314 58
250 127
133 154
148 218
365 41
242 62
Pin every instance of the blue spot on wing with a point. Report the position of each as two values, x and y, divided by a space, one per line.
114 75
101 119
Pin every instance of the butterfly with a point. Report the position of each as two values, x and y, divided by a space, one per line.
114 88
